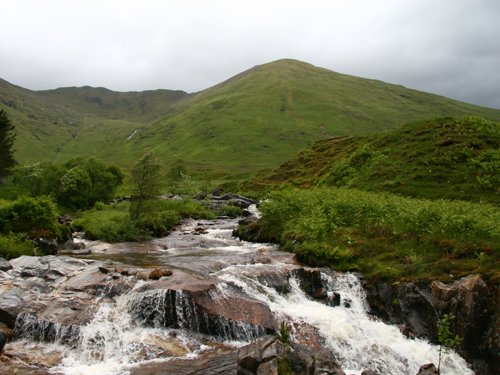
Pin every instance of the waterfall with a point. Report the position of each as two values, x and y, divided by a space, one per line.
358 340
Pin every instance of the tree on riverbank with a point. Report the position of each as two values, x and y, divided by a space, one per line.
146 178
7 137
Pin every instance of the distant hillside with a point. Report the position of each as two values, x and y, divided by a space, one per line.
257 119
101 102
443 158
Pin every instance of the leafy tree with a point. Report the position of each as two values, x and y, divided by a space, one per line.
447 340
7 137
147 179
31 178
75 188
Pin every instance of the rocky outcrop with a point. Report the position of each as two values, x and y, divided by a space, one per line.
417 307
263 356
187 301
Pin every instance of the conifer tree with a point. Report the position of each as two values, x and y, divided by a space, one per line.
7 137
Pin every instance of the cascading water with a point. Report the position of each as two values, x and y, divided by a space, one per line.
358 341
144 325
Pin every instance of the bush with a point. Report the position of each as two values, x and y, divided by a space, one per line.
78 184
37 217
14 245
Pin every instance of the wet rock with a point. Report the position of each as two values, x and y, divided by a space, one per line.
333 299
11 304
235 200
320 293
417 307
259 357
410 304
194 302
470 300
428 369
47 266
47 246
3 341
309 279
4 265
304 360
158 273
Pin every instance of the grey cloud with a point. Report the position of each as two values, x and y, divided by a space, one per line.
448 47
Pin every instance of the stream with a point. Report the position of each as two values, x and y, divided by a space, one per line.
96 314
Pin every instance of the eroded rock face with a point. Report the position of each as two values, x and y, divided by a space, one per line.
195 303
262 356
417 307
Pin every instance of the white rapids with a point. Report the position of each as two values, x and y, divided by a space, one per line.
358 340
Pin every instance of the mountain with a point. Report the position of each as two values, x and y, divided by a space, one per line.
441 158
256 119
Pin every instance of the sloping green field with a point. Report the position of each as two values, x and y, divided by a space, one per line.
257 119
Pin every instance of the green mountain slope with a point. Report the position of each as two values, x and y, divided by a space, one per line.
442 158
257 119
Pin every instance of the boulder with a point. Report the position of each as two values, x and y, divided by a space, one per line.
369 372
194 302
158 273
304 360
259 357
470 300
5 265
48 246
428 369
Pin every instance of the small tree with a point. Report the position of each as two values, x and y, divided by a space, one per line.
147 179
7 137
447 340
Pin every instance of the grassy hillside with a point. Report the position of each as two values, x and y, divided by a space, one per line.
257 119
104 103
442 158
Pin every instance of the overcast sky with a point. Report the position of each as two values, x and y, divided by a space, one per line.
448 47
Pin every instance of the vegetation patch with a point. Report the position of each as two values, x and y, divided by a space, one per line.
384 236
443 158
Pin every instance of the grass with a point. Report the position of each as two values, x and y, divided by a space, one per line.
441 158
382 235
255 120
111 223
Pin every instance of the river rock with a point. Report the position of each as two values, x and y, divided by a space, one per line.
418 306
48 246
428 369
3 340
194 302
5 265
259 357
304 361
11 304
470 300
158 273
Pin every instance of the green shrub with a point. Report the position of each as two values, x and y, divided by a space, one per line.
314 223
14 245
36 217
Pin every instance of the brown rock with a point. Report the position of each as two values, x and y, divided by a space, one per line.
158 273
428 369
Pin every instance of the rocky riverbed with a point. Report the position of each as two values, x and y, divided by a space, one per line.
185 304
